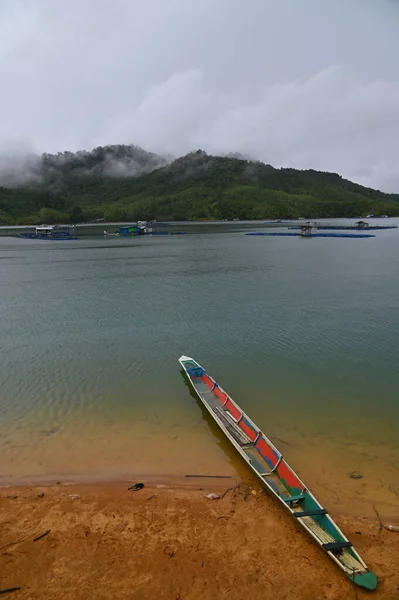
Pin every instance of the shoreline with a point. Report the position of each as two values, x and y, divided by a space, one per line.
334 488
171 541
181 482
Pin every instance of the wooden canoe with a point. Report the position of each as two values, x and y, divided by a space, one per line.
276 475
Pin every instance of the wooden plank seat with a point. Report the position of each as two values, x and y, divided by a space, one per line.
333 546
310 513
232 426
298 498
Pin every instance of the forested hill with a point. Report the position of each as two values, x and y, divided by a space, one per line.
126 183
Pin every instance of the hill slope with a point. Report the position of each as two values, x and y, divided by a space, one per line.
124 183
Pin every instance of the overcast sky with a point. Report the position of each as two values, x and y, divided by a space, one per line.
303 83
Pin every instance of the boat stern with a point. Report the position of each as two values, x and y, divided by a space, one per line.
365 580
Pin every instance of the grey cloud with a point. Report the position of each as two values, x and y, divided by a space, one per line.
19 168
311 84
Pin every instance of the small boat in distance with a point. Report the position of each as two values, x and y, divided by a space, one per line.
276 475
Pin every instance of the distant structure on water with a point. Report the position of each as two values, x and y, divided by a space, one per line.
141 228
51 232
309 230
358 226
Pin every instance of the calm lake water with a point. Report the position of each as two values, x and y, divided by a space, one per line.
303 333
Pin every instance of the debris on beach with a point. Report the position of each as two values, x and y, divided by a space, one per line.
384 525
9 590
74 496
136 486
42 535
355 475
213 496
211 476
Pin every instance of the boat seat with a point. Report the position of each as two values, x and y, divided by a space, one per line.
311 513
332 546
295 498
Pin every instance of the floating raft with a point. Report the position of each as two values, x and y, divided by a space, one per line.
351 227
307 235
168 233
58 237
276 475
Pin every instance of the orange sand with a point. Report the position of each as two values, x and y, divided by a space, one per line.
173 543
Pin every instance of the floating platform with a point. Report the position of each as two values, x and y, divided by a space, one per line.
142 228
58 237
350 227
308 235
168 233
51 232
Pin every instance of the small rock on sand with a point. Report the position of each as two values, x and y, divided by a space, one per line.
355 475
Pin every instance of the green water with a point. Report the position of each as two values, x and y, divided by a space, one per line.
303 333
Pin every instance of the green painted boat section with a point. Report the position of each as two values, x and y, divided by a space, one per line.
294 498
293 491
366 580
189 364
308 504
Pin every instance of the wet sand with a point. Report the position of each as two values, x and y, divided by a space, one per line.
126 451
169 541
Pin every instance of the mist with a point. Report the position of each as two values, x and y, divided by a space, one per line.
310 84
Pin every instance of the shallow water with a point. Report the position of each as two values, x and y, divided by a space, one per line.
304 334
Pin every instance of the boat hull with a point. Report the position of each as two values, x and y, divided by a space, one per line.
275 474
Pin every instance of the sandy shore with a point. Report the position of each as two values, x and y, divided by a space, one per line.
106 542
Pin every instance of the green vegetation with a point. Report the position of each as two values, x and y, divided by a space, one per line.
124 183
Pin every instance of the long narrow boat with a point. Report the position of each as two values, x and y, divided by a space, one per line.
276 475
